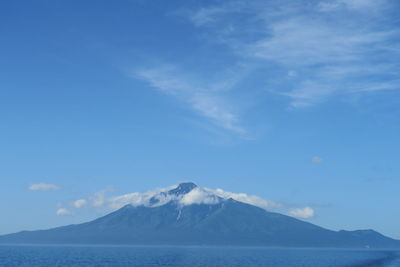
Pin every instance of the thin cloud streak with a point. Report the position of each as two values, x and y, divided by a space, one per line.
44 187
308 53
205 99
334 47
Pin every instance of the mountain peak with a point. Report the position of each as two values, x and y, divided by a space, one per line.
186 214
183 188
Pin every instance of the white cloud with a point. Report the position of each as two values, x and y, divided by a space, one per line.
79 203
249 199
199 196
334 47
309 53
43 187
314 47
337 5
153 198
302 42
63 211
207 98
317 160
142 198
304 213
159 197
205 16
99 199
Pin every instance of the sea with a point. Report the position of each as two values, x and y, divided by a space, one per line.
88 256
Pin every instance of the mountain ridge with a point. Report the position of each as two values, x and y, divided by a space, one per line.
223 222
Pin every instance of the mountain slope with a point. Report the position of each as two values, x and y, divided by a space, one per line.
228 222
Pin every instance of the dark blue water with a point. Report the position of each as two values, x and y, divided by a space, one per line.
33 256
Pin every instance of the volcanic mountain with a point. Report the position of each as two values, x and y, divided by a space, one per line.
190 215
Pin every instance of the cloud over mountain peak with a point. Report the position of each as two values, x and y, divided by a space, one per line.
184 194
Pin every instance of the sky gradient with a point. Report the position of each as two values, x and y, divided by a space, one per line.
295 102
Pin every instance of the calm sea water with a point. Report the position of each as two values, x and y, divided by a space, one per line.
87 256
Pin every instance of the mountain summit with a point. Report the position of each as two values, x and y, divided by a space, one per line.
183 188
191 215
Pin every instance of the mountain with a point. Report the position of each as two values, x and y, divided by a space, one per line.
188 215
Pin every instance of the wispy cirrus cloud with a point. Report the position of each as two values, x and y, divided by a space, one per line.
206 97
334 47
335 5
308 52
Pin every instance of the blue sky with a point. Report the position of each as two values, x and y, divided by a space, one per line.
296 102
